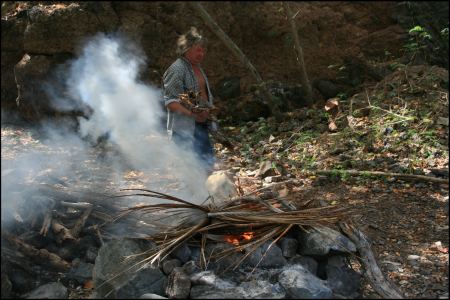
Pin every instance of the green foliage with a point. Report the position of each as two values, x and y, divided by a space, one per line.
418 42
342 96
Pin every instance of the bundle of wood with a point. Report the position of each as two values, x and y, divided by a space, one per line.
192 101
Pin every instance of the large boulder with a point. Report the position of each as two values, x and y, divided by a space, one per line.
61 28
114 276
321 240
299 283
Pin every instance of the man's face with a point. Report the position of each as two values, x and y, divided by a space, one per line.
195 54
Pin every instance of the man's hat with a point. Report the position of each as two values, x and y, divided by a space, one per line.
188 40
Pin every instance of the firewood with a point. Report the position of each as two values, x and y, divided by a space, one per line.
41 256
62 233
46 224
78 205
76 229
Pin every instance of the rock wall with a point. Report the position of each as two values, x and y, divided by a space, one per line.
38 37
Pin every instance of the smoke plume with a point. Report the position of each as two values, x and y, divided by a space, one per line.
105 78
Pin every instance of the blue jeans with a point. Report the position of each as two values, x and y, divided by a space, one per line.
199 144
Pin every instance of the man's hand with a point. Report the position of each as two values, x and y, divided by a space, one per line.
201 116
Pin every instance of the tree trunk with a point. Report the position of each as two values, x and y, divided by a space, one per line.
299 53
238 53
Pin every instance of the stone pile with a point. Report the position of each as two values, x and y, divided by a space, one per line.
313 264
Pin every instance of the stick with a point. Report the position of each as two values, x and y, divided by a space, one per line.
41 256
62 233
76 205
379 173
380 284
46 224
76 229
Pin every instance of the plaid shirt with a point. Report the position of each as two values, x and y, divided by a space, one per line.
178 79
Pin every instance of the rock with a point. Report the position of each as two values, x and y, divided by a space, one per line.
259 257
169 265
50 32
266 169
206 292
91 254
260 289
53 290
320 240
81 272
178 284
341 279
182 253
152 296
210 279
299 283
6 286
289 247
220 186
327 88
229 87
413 257
109 263
225 262
307 262
147 280
191 267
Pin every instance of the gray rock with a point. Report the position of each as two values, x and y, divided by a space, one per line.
178 284
183 253
307 262
111 271
341 279
147 280
152 296
299 283
320 240
191 267
210 279
205 292
91 254
6 286
270 259
81 272
289 247
225 262
169 265
53 290
260 289
229 87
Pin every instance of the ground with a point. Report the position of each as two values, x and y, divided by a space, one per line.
396 126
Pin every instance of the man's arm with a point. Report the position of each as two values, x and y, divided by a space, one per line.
178 108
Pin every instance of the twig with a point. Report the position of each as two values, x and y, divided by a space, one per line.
379 173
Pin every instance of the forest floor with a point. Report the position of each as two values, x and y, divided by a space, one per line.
399 125
396 126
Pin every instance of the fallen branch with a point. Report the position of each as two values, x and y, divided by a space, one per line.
76 229
379 283
62 233
387 174
41 256
46 224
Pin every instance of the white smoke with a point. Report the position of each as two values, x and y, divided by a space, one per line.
105 77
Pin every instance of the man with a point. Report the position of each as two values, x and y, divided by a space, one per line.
189 128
